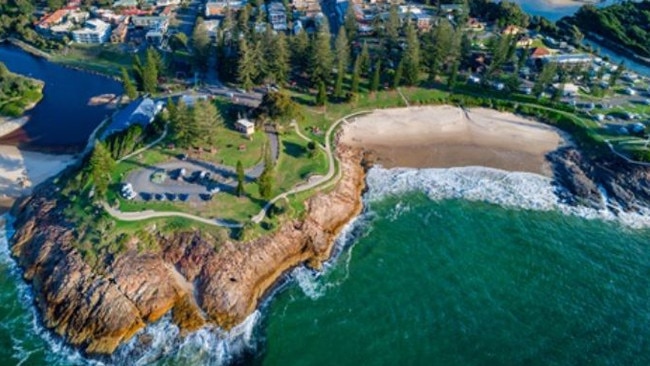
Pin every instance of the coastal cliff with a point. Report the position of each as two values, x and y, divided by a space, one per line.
97 308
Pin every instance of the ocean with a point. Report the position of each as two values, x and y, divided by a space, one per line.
461 266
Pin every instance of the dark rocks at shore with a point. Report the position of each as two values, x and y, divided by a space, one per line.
626 185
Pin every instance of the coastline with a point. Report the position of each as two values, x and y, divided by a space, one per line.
202 282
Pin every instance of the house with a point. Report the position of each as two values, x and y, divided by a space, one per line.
119 33
569 59
539 52
450 8
147 21
157 32
142 112
474 24
125 4
95 32
50 20
524 42
212 27
511 30
568 89
219 7
277 16
245 126
163 3
423 21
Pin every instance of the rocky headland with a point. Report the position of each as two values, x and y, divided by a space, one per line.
199 282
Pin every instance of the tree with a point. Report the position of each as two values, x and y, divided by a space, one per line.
392 27
356 71
350 22
441 47
205 122
338 86
247 69
300 52
397 77
100 165
149 72
546 76
321 96
265 180
321 55
451 81
278 105
239 191
55 4
178 41
129 88
365 59
411 58
342 50
616 74
200 45
280 67
376 76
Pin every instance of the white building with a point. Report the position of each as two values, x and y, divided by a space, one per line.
94 32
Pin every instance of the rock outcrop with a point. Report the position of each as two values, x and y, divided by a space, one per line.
98 308
626 185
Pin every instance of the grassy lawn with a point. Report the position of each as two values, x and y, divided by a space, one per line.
295 165
105 59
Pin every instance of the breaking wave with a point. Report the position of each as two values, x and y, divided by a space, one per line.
507 189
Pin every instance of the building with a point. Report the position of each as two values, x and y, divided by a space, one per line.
474 24
125 4
157 32
512 30
277 16
569 59
94 32
215 8
424 21
162 3
142 112
524 42
52 19
539 52
147 21
119 33
245 126
212 27
568 89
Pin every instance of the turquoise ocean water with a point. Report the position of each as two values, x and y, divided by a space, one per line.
420 281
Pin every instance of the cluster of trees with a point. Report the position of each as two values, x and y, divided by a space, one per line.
626 23
16 92
278 106
193 126
99 168
146 75
125 142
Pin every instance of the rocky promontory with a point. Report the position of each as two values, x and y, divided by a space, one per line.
98 307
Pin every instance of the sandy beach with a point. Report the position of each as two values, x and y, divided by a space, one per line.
446 136
21 170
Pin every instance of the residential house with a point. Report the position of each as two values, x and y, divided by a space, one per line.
48 21
219 7
277 16
512 30
157 32
474 24
161 3
524 42
95 31
119 33
148 21
568 89
539 52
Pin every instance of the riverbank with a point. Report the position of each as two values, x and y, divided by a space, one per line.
446 136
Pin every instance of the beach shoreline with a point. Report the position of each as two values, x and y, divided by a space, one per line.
447 136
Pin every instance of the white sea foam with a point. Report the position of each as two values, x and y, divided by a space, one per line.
58 352
507 189
209 345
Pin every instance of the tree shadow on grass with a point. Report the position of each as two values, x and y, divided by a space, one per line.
292 149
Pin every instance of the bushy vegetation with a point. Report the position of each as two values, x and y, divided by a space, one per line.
17 92
626 23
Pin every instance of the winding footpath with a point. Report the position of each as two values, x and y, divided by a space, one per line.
327 180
